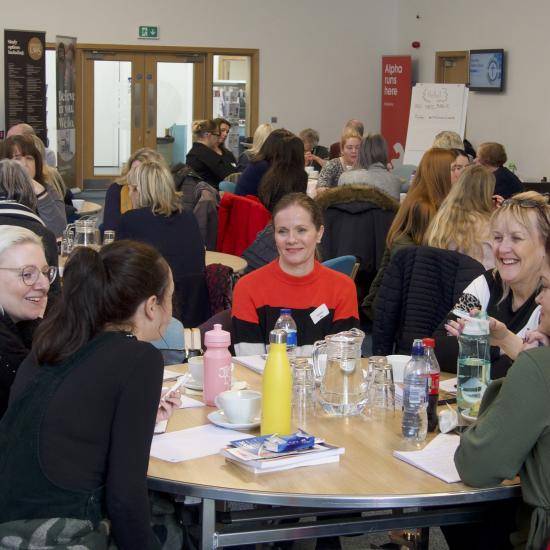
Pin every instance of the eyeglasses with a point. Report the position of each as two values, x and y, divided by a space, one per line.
29 273
528 203
214 134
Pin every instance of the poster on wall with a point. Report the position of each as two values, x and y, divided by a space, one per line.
434 108
66 91
25 79
396 101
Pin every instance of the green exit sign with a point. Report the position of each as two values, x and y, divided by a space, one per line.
147 31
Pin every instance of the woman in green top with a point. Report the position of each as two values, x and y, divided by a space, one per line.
512 433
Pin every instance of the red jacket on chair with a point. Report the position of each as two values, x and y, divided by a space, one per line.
240 219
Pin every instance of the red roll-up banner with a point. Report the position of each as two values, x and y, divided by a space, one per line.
396 102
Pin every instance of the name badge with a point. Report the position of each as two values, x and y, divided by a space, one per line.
319 313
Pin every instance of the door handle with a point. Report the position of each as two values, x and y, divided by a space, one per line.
151 104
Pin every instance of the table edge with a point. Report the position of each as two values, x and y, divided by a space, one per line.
339 501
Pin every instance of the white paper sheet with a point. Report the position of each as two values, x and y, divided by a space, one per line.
160 427
192 443
448 385
255 363
436 458
170 374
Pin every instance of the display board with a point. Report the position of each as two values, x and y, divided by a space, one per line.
434 108
25 79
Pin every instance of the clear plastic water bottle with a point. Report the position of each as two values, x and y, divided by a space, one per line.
414 425
434 374
286 322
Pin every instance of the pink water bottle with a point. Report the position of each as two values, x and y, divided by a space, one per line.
217 364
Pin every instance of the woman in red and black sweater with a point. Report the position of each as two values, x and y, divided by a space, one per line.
323 301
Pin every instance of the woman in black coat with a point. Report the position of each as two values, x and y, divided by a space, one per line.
159 219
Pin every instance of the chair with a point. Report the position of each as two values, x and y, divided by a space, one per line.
348 265
227 186
234 177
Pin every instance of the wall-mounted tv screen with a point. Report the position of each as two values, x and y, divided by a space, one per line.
487 70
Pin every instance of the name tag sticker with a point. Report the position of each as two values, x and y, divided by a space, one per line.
319 313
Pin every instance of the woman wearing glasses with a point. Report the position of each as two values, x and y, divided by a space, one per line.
519 229
202 157
25 279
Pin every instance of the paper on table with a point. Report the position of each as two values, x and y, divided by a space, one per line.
160 427
169 374
255 363
189 402
192 443
436 458
448 385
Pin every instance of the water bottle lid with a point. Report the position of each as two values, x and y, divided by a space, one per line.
286 311
476 327
417 347
217 337
428 342
277 336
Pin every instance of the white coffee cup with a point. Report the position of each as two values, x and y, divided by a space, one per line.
240 406
196 368
310 169
78 203
398 363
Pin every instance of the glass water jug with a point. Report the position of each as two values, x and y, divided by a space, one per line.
86 233
343 390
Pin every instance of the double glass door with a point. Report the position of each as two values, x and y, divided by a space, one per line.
134 100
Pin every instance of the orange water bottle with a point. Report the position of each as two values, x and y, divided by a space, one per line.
276 387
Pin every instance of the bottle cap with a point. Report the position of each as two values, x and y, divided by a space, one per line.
286 311
217 337
428 342
277 336
417 347
475 326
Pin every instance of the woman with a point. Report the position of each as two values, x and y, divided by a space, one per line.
249 180
92 350
514 423
323 301
432 183
203 158
448 140
18 207
519 229
461 162
493 156
159 219
333 169
50 205
315 155
463 221
25 279
117 198
248 156
372 167
223 126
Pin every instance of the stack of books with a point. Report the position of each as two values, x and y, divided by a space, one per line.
251 455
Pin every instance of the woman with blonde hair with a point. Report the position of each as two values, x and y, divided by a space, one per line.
117 198
462 223
334 168
158 219
260 135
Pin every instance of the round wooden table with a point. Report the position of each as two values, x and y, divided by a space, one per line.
236 263
89 209
367 477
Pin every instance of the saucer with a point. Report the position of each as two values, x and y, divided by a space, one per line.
218 418
468 417
191 384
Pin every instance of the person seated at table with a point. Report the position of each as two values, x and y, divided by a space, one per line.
203 157
50 205
249 155
92 351
513 424
249 180
519 229
25 279
493 156
462 222
158 218
372 167
18 207
223 126
461 162
352 124
315 155
23 129
448 140
117 198
432 183
334 168
286 175
323 301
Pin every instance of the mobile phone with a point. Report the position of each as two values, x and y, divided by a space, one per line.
171 391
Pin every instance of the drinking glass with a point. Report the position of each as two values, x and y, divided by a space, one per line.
382 388
303 388
108 237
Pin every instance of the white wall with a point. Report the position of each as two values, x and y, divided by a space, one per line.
519 117
319 60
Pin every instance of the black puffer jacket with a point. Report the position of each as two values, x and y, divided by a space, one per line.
420 286
357 219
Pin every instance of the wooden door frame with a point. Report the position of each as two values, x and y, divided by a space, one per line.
442 56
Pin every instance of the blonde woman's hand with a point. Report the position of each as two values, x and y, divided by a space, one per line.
169 402
498 200
535 339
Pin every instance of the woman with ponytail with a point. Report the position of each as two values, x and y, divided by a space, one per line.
75 440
